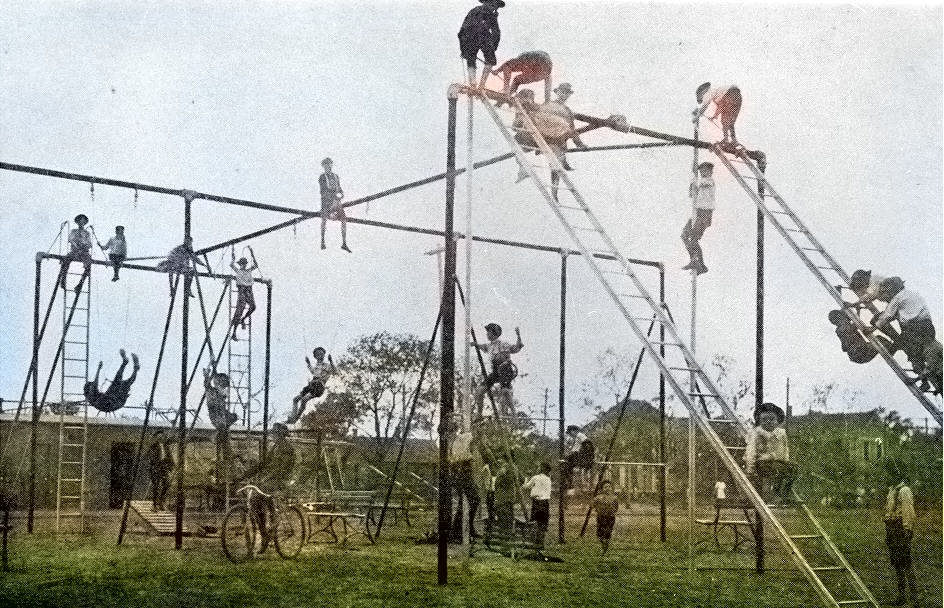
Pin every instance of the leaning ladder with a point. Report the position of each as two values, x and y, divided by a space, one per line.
636 305
73 434
812 254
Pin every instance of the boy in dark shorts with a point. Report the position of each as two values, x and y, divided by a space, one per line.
315 387
117 248
80 248
853 344
540 487
899 530
606 504
503 370
480 31
245 300
117 392
331 209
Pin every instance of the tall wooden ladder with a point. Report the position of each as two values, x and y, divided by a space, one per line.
239 363
682 372
73 429
812 253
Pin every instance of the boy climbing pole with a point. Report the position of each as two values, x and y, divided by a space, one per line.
117 392
503 370
727 101
315 387
244 298
480 31
80 248
702 192
331 209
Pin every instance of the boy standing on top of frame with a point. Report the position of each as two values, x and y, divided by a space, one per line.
244 298
727 100
117 248
480 30
702 192
331 194
503 370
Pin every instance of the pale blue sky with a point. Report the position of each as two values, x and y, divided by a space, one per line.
245 98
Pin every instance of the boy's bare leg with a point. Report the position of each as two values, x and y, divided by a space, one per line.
324 226
343 218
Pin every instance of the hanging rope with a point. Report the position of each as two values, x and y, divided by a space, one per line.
130 483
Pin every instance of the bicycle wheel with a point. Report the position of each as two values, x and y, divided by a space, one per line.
239 534
289 531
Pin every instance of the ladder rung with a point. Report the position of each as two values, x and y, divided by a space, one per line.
827 268
703 395
77 325
722 420
74 376
812 249
650 319
852 602
69 498
800 230
802 536
74 359
686 369
781 212
72 445
735 447
72 462
571 207
667 343
71 480
828 568
75 342
629 295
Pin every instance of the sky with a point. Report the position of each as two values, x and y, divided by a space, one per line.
244 99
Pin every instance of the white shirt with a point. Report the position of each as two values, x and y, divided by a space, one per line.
540 486
243 277
319 371
117 246
703 189
900 503
907 306
461 448
766 445
499 350
574 442
721 489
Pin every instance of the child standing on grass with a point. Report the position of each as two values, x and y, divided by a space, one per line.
606 504
899 530
315 387
117 248
540 487
505 495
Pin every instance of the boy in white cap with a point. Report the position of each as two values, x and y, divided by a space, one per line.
727 100
331 209
914 318
244 297
479 31
702 192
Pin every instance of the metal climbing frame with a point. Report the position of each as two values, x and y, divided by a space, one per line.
811 252
239 363
678 365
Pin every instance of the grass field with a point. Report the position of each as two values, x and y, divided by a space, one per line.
91 571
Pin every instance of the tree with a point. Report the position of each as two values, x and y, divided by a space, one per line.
379 374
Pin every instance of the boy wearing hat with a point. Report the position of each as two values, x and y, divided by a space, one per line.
80 248
117 248
479 31
503 370
702 192
331 194
244 296
865 286
727 100
899 529
914 318
528 67
767 458
315 387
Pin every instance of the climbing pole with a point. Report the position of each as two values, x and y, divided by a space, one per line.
678 365
812 253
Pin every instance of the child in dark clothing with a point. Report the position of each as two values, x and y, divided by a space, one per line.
117 392
480 31
853 344
606 503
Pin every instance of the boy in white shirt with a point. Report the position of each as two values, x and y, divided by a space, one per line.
315 387
117 248
540 489
702 193
917 329
503 370
80 248
244 297
767 457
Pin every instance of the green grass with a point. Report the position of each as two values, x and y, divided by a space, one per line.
75 572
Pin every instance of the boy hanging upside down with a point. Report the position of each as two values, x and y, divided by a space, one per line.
315 387
117 392
503 370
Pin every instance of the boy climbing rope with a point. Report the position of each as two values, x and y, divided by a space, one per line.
80 248
244 298
702 193
528 67
503 370
315 387
480 31
331 209
727 100
117 248
216 386
117 392
181 260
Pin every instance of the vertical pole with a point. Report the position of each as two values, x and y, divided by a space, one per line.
467 406
182 413
691 387
37 408
561 366
268 366
663 472
759 346
447 371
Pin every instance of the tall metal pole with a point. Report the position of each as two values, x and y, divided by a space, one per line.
467 405
447 371
37 408
663 473
182 413
561 362
266 373
692 384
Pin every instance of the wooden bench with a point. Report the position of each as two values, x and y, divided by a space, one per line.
340 517
743 530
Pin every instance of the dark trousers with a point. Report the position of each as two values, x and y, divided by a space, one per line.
693 232
116 261
914 338
779 474
540 515
160 482
898 540
463 484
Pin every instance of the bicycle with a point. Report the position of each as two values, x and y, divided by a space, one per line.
286 527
